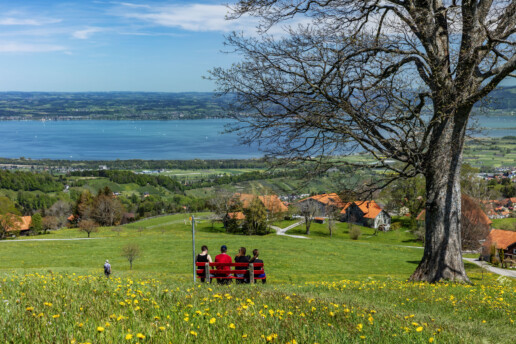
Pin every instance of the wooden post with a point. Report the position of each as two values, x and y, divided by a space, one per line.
251 273
207 272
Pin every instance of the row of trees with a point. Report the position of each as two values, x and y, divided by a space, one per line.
127 177
29 181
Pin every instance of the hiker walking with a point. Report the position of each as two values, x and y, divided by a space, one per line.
107 268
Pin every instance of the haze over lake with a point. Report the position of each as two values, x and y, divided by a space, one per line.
151 140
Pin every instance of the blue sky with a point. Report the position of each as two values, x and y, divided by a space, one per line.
82 45
110 45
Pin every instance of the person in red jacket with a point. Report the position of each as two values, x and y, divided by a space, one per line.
223 257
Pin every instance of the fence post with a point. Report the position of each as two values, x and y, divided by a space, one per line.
207 272
251 273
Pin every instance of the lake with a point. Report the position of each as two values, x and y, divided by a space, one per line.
149 140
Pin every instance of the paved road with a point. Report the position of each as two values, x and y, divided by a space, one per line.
71 239
283 231
502 272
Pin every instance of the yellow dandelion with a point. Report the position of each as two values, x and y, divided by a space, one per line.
431 340
161 328
100 329
244 336
140 336
232 326
419 329
29 309
128 336
55 316
193 333
212 320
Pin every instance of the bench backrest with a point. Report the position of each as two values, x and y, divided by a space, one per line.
223 270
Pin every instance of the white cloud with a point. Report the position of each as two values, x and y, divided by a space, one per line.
192 17
14 47
28 21
86 33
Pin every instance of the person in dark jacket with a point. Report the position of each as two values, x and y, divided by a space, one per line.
242 258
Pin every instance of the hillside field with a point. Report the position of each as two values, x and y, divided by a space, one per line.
319 290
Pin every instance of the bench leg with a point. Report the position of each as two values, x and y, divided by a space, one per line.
207 272
251 273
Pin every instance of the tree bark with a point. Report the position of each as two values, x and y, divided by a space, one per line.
442 258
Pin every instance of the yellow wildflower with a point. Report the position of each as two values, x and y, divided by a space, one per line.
100 329
129 336
212 320
232 326
140 336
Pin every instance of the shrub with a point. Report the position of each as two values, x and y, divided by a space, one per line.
395 226
354 232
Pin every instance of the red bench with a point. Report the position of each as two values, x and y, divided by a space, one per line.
204 271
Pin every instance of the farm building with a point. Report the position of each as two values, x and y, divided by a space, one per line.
366 213
271 202
20 225
501 240
323 203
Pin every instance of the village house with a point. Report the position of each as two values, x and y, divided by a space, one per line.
499 240
272 204
323 203
20 225
366 213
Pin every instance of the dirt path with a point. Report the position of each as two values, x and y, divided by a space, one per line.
283 231
498 271
71 239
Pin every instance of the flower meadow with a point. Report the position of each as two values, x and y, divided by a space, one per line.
70 308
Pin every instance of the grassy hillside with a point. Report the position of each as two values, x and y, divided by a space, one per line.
318 290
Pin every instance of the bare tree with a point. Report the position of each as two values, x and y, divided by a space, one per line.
60 210
395 78
131 252
332 214
88 226
308 210
50 223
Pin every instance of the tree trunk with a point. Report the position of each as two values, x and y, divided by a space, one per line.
442 258
307 225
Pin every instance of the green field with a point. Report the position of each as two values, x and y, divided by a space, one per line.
319 290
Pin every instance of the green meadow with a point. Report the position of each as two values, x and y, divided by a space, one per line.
319 290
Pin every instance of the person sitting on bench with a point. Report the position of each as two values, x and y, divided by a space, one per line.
242 258
203 257
255 259
223 257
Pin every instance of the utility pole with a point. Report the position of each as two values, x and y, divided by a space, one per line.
193 246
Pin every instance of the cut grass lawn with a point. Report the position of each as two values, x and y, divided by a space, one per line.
319 290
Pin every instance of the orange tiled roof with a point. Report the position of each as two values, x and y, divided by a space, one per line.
271 202
21 224
237 215
328 199
371 209
501 238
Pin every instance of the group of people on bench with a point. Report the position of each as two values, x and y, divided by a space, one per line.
223 257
